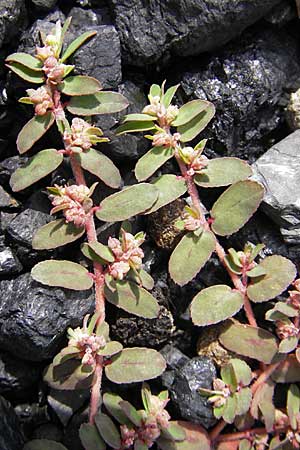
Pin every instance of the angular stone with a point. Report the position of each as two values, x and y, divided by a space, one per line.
9 263
11 437
45 5
149 30
6 200
34 318
12 16
16 375
279 171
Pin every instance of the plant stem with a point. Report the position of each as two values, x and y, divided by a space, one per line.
96 389
240 435
213 435
264 376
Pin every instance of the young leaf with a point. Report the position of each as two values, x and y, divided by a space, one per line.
44 444
257 271
104 102
174 432
36 168
133 299
135 126
127 203
138 117
78 42
190 256
69 376
170 188
243 401
79 85
33 131
90 437
168 96
102 251
133 415
263 403
32 76
249 341
26 60
111 348
196 438
134 365
90 254
288 371
241 370
191 110
280 273
229 411
61 273
100 165
293 404
108 430
56 234
191 129
288 345
235 207
142 277
222 172
112 404
151 161
214 304
155 90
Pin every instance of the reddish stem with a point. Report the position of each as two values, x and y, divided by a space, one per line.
264 376
96 389
247 434
213 435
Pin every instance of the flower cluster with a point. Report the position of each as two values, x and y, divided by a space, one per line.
193 158
82 136
294 295
191 219
285 329
127 253
54 70
74 201
42 99
164 139
165 114
221 392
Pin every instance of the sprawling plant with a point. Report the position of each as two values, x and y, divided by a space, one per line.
269 353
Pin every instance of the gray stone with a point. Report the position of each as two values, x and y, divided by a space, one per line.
279 171
9 263
6 200
11 437
149 30
45 5
12 15
16 375
34 318
246 82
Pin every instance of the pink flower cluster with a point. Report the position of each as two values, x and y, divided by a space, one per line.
286 329
74 201
127 253
294 298
158 109
195 161
42 99
77 139
164 139
54 70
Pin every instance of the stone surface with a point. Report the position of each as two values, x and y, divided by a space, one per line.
183 383
245 81
279 171
149 30
45 5
10 436
9 263
65 403
6 200
12 15
34 318
16 375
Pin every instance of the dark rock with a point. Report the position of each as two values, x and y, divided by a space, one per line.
16 375
246 82
279 171
6 218
65 403
81 16
137 331
12 17
175 359
183 383
182 27
48 431
9 263
11 437
32 415
45 5
34 318
10 165
7 201
282 13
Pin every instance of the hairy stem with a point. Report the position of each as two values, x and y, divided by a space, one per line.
96 389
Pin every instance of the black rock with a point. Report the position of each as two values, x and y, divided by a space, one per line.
34 318
16 375
149 30
11 437
45 5
183 383
9 263
12 17
10 165
7 201
246 82
48 431
65 403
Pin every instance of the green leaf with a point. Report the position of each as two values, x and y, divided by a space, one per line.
135 126
63 33
190 256
26 60
127 203
141 277
243 401
133 415
151 161
232 266
70 375
155 90
79 85
100 165
235 207
104 102
135 364
191 110
288 345
229 377
33 131
44 444
170 188
112 404
196 439
249 341
55 234
35 169
102 251
139 445
191 129
222 172
257 271
108 430
111 348
288 371
78 42
133 299
242 371
214 304
263 402
280 273
174 432
138 117
168 96
293 404
283 309
32 76
90 437
90 254
61 273
229 411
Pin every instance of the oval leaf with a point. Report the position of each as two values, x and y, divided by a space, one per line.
127 203
135 127
56 234
76 44
26 60
102 250
36 168
32 76
69 375
134 365
235 206
44 444
151 161
33 131
133 299
101 166
112 404
64 274
191 129
288 371
111 348
79 85
214 304
280 273
138 117
170 188
249 341
190 255
108 430
104 102
222 172
190 110
196 438
90 437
